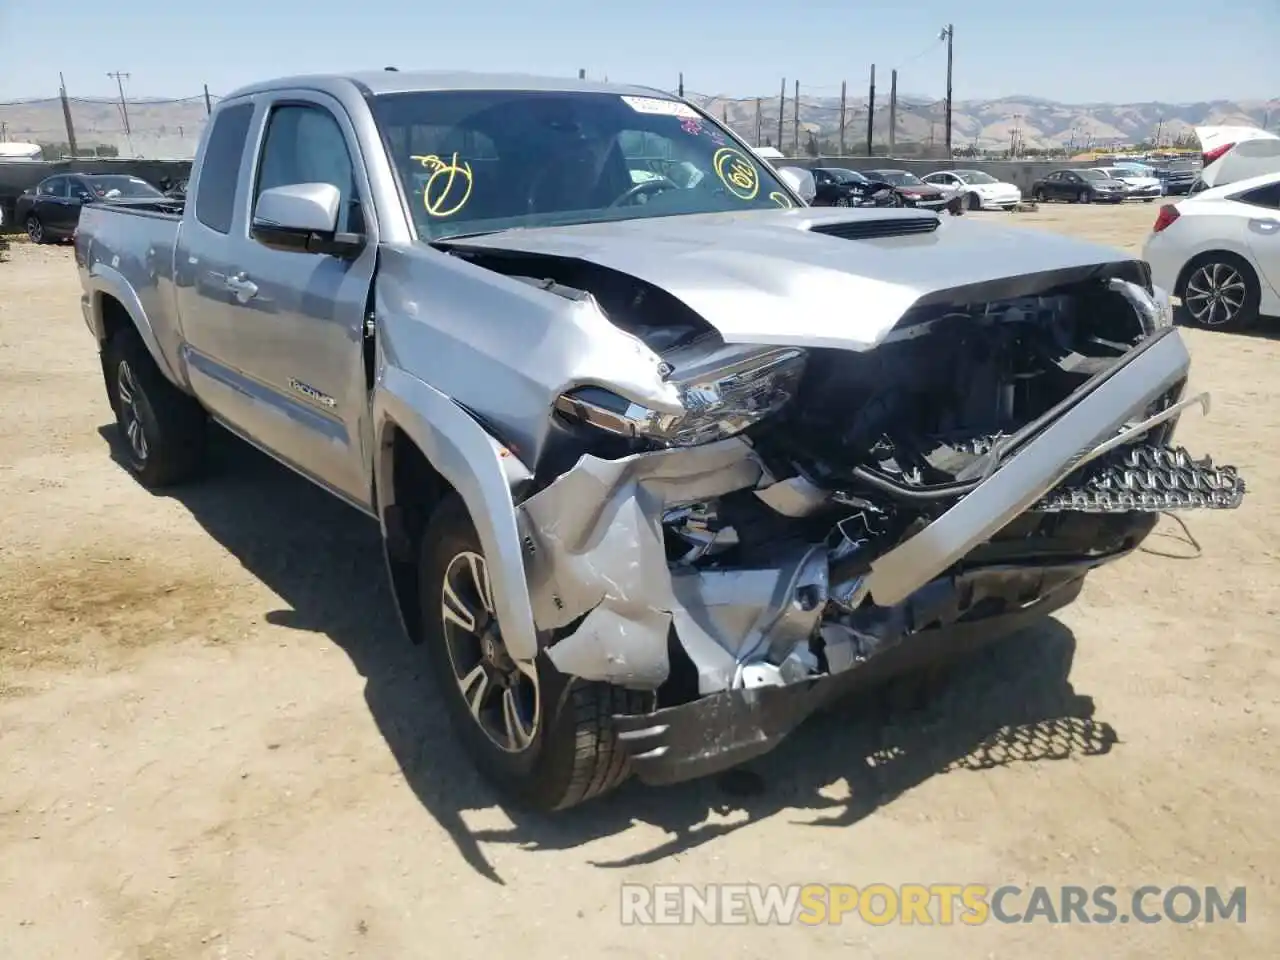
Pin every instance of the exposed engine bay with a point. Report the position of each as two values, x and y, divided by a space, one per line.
810 507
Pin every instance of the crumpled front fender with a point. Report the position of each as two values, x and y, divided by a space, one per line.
483 472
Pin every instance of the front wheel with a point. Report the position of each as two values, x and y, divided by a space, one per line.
975 202
35 229
1039 196
544 740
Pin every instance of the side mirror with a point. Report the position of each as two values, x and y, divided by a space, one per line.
303 218
801 181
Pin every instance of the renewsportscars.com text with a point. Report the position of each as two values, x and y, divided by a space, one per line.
880 904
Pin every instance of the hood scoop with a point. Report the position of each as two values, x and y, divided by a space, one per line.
875 229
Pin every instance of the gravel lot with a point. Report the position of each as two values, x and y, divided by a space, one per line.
214 741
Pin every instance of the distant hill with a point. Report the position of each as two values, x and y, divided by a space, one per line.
171 128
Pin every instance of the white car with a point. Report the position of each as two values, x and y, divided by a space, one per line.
1219 253
983 191
1138 186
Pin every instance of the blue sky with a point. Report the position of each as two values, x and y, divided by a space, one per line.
1079 50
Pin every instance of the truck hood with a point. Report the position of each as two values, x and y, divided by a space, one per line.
770 277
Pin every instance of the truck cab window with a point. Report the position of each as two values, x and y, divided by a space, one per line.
220 169
304 144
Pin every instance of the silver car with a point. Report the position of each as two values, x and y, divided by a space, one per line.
662 458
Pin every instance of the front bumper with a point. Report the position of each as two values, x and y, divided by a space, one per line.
717 732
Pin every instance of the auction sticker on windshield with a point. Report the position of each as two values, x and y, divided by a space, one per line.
736 172
665 108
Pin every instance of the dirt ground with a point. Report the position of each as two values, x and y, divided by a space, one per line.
214 741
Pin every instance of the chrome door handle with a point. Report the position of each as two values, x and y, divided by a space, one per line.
1265 226
244 288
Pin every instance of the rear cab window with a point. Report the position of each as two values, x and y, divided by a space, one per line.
215 201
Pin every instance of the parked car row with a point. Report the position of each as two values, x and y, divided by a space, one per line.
954 190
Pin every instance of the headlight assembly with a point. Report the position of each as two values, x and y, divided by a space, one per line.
1155 311
722 394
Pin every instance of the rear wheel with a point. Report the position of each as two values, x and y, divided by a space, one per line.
1219 291
545 740
162 429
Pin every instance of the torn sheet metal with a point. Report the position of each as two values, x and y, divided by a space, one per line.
1148 372
595 547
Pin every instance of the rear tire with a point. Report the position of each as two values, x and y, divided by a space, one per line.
563 750
1238 293
163 431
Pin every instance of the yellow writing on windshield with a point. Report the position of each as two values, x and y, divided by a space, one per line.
448 188
736 172
781 199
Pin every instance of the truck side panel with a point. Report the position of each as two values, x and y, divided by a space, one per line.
127 256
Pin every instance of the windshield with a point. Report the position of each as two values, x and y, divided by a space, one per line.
899 178
841 175
1093 175
478 161
119 185
975 176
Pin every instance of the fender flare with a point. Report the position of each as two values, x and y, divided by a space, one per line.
108 281
481 470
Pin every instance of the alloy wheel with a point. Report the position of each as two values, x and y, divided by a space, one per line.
130 416
35 229
1215 294
501 692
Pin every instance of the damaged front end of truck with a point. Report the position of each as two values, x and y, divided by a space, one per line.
806 518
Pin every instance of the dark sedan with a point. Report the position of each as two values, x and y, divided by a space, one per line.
840 187
1079 186
913 191
51 210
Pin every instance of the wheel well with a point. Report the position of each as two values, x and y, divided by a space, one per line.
416 488
114 317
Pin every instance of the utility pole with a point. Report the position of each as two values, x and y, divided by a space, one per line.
782 110
871 109
795 130
893 109
120 78
842 103
4 132
949 32
208 103
681 89
582 73
1160 128
759 121
66 114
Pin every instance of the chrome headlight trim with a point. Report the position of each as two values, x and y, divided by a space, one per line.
717 403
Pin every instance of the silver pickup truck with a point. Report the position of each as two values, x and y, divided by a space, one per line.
663 458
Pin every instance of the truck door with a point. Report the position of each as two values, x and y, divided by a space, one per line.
295 327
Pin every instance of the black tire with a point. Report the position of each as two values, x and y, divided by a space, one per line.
1038 196
1084 196
573 755
35 229
173 426
975 202
1148 199
1219 262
